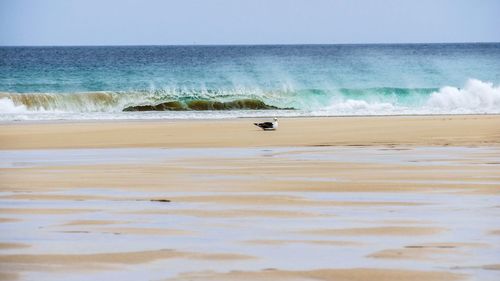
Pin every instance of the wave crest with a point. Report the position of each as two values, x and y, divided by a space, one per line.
476 97
77 102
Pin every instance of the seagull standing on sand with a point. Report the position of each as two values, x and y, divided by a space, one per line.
268 126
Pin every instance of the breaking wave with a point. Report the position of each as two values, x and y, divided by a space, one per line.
476 97
8 106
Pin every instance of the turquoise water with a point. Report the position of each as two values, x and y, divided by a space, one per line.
302 80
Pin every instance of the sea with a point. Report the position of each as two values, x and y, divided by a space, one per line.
205 82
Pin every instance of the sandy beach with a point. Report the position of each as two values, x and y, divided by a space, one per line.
458 130
339 198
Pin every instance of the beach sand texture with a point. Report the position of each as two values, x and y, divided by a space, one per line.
361 198
347 131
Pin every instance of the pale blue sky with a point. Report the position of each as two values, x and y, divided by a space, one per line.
157 22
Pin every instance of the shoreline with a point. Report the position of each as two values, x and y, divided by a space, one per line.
62 121
426 130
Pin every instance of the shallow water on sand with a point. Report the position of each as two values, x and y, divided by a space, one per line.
435 229
362 154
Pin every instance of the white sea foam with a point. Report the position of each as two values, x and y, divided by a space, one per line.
8 106
476 97
359 107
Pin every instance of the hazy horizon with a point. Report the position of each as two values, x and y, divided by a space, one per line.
278 44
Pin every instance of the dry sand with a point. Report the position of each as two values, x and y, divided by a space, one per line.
350 131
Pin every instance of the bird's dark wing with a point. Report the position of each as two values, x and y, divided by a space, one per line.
265 125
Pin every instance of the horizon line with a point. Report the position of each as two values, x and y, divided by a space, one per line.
242 44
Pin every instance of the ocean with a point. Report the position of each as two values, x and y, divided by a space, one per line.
185 82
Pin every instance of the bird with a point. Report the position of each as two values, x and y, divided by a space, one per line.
268 126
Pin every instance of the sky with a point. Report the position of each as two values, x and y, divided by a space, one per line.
207 22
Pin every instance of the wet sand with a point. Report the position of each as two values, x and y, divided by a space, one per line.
378 231
264 207
325 275
111 258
